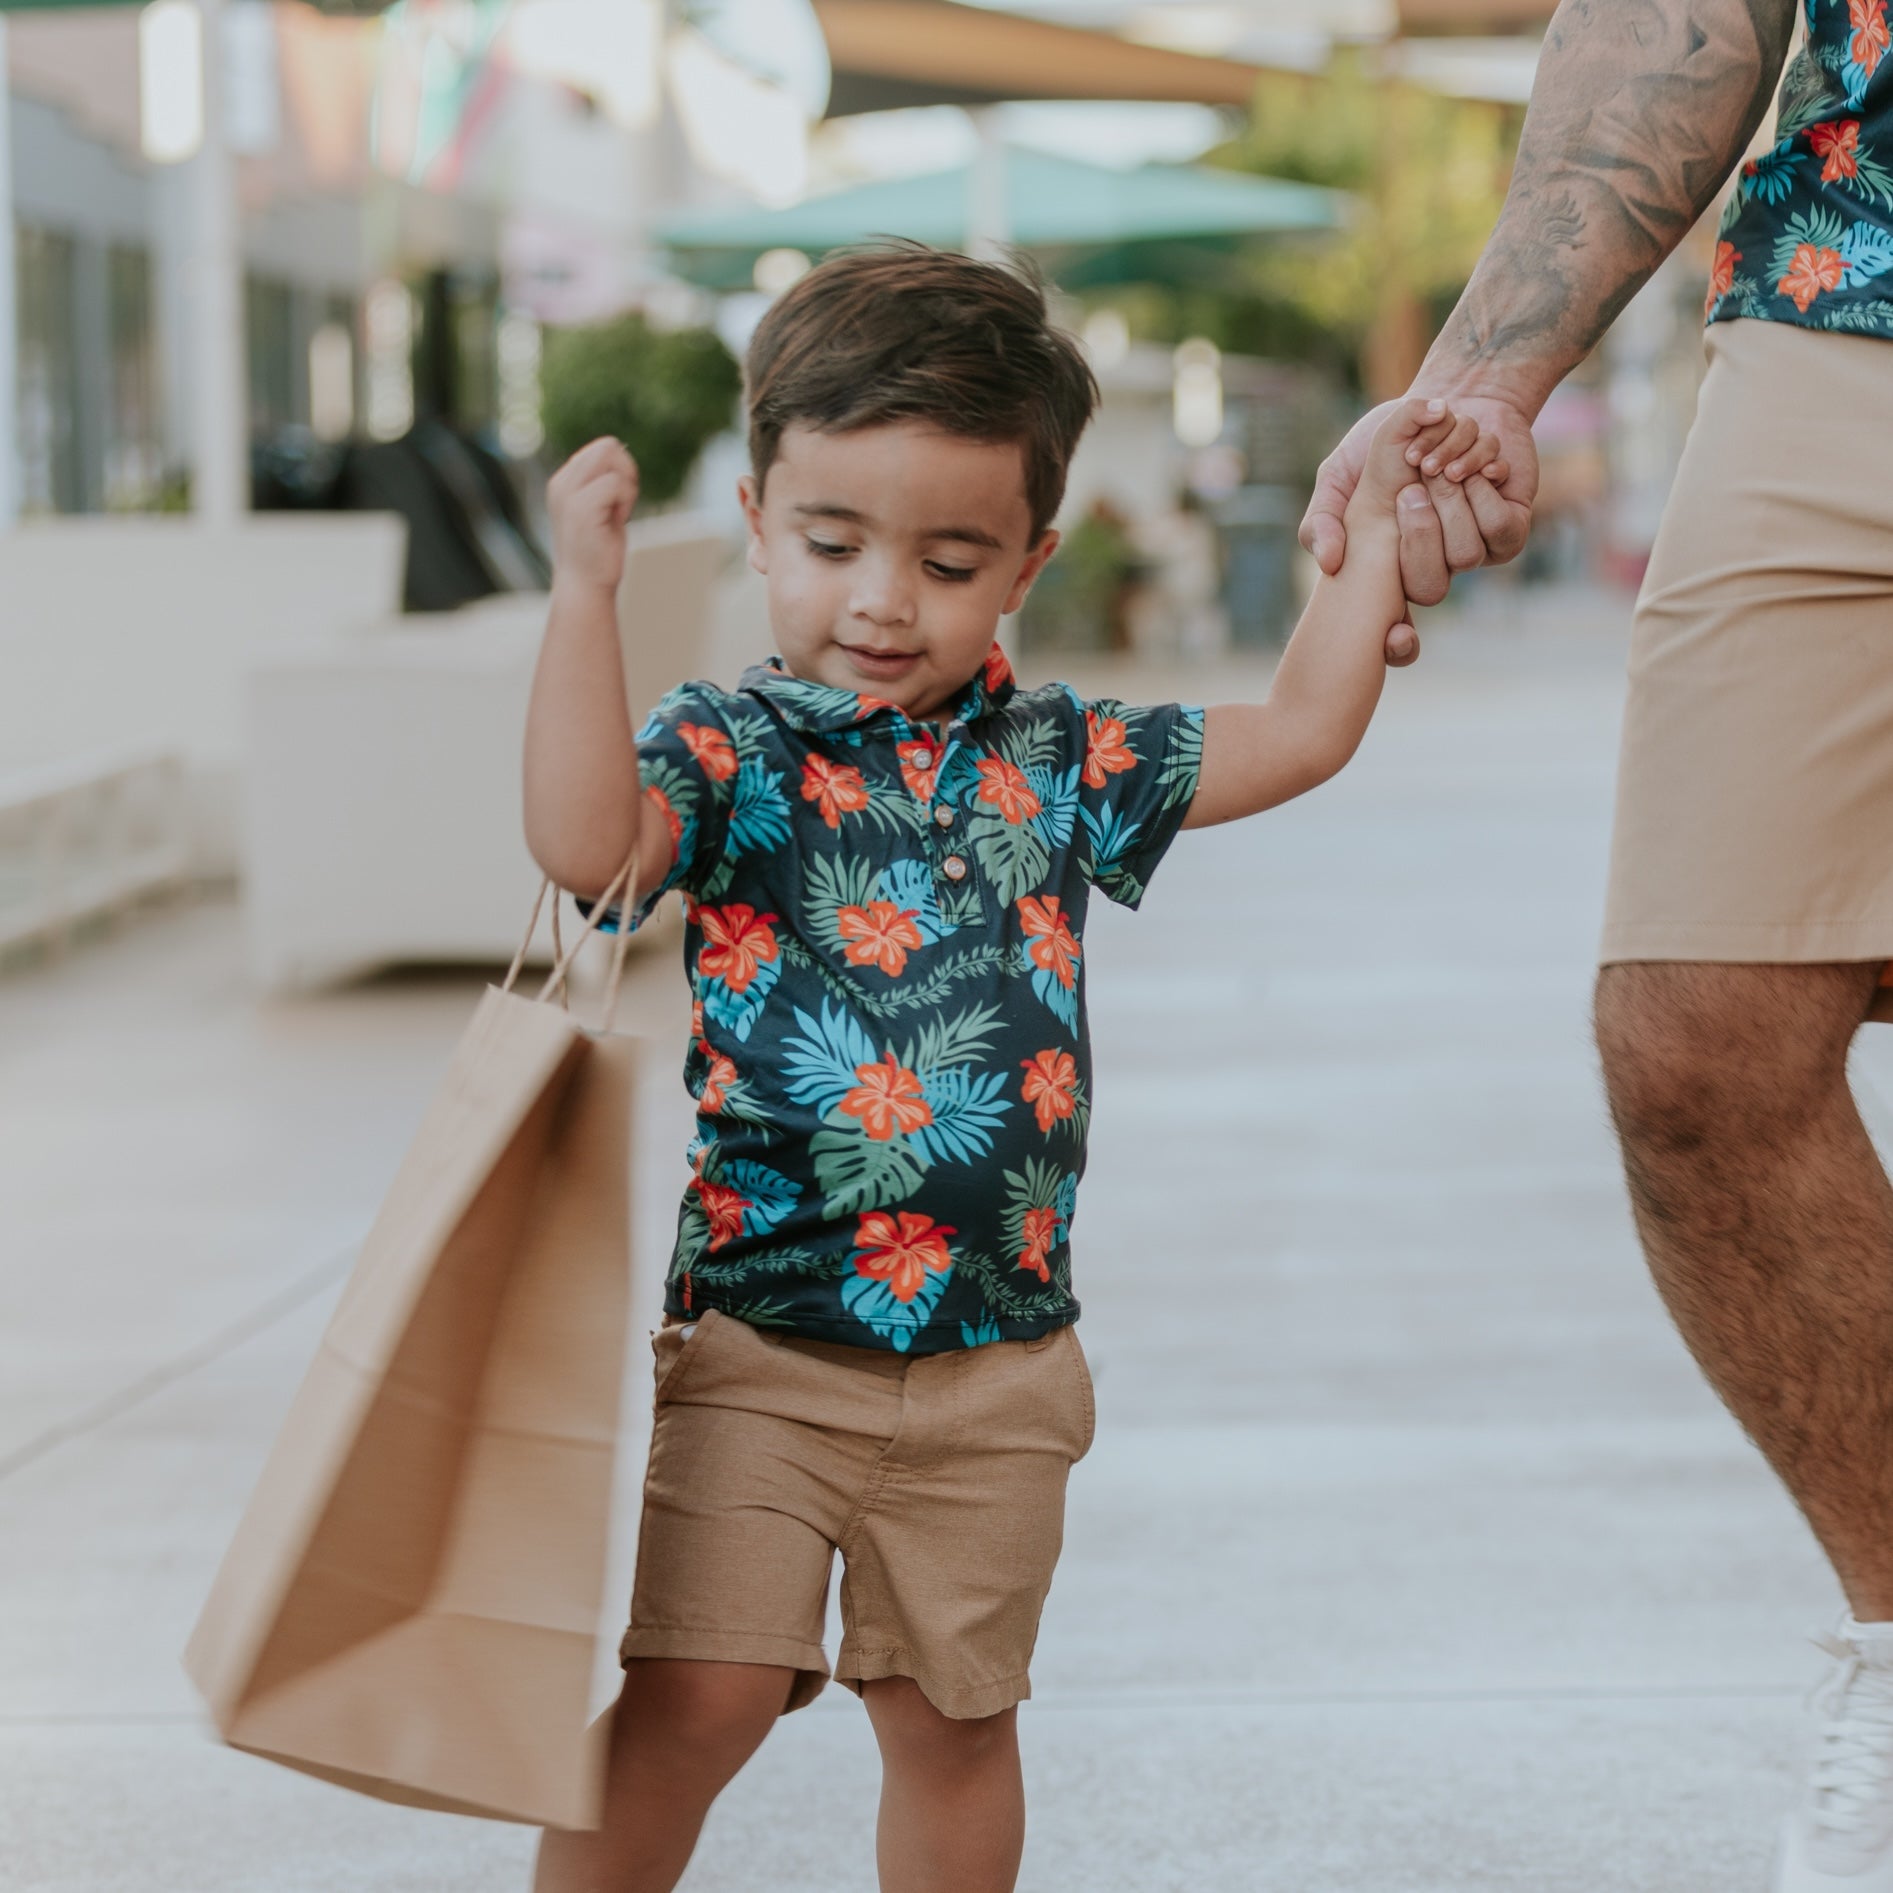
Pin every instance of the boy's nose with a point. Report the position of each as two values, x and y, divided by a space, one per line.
882 597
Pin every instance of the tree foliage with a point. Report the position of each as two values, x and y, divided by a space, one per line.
1428 174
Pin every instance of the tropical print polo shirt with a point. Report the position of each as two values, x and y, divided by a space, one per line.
885 945
1807 237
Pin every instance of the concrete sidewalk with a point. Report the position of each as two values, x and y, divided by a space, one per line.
1412 1555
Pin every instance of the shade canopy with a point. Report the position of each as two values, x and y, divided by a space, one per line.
892 53
1052 204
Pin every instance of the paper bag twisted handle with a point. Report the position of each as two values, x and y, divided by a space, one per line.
622 886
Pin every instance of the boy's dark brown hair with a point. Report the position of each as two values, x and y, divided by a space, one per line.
900 332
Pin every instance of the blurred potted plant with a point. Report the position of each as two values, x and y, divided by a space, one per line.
666 393
1079 602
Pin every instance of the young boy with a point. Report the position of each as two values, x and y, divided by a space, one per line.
885 849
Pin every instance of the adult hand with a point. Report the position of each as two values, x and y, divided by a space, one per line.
1468 524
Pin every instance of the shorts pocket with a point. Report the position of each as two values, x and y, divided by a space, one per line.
676 1349
1086 1392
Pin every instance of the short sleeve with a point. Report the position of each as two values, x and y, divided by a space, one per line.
688 762
1139 777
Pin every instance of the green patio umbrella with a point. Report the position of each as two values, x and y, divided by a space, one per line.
1052 204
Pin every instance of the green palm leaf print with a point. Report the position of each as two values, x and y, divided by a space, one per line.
856 1172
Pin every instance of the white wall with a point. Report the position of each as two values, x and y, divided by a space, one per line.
133 632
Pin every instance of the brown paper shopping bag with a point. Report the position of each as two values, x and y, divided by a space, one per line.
411 1602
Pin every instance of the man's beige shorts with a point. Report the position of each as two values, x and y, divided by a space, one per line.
940 1478
1755 794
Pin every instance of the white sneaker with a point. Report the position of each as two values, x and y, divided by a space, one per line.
1840 1839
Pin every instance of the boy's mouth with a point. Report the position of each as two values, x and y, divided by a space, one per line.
882 666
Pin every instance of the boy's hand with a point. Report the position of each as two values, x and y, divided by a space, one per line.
590 500
1420 437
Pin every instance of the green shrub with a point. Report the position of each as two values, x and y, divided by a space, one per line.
664 393
1079 601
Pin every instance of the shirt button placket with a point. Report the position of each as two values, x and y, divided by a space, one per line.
952 866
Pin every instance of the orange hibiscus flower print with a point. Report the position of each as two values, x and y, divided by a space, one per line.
996 671
1814 269
1106 753
1721 274
1050 940
879 934
1838 146
672 820
724 1207
714 752
1051 1084
716 1083
736 942
899 1249
1041 1231
696 1020
887 1098
1003 784
919 768
1870 41
836 788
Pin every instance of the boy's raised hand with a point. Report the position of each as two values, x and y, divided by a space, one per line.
590 501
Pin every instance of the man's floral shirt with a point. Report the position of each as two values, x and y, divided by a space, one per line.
885 944
1808 236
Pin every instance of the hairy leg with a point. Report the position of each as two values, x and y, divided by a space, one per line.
1768 1222
952 1798
679 1732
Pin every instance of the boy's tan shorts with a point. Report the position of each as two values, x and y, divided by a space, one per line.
1755 792
940 1478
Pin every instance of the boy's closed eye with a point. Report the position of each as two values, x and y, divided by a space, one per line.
935 568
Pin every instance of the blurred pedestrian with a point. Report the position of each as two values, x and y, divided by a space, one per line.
1177 611
1751 895
886 849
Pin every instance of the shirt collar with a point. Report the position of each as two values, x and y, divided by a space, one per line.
823 709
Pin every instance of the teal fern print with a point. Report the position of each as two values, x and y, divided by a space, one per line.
967 1107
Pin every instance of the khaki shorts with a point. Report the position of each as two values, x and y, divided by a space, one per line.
939 1478
1755 793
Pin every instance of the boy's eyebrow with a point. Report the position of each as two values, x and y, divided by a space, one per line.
849 515
970 536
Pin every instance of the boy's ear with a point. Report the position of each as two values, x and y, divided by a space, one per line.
749 492
1035 562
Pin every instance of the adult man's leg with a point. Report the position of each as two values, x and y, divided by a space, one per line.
1768 1222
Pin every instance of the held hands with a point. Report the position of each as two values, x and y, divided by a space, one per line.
1410 437
1415 437
590 500
1474 517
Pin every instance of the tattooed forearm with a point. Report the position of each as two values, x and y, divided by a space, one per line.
1640 111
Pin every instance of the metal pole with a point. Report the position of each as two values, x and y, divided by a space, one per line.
9 311
988 215
220 392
